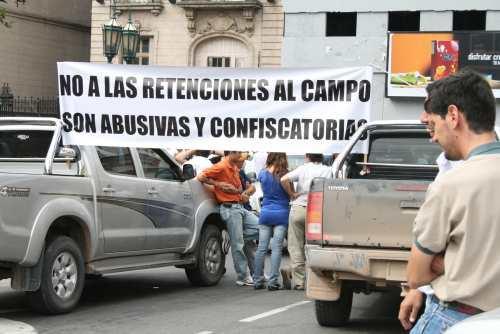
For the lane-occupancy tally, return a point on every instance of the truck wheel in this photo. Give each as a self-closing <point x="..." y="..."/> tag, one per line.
<point x="335" y="313"/>
<point x="62" y="280"/>
<point x="211" y="259"/>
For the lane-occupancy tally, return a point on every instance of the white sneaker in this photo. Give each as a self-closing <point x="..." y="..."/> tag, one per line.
<point x="246" y="282"/>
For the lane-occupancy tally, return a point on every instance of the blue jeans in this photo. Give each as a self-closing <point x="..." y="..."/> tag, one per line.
<point x="242" y="225"/>
<point x="277" y="232"/>
<point x="437" y="317"/>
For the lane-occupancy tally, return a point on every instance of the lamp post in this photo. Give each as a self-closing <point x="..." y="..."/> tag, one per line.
<point x="130" y="41"/>
<point x="113" y="35"/>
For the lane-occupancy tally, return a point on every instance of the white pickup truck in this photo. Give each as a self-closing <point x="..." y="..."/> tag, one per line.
<point x="70" y="211"/>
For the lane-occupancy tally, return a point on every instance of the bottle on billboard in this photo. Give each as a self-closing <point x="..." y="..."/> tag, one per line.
<point x="444" y="59"/>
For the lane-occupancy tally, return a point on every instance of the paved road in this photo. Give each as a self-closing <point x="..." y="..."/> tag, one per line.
<point x="163" y="301"/>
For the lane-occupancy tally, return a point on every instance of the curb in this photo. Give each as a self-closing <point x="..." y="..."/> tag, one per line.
<point x="15" y="327"/>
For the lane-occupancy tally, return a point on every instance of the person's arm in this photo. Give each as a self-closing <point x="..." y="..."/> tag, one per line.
<point x="431" y="233"/>
<point x="409" y="308"/>
<point x="210" y="175"/>
<point x="419" y="271"/>
<point x="247" y="192"/>
<point x="288" y="187"/>
<point x="287" y="182"/>
<point x="184" y="156"/>
<point x="250" y="189"/>
<point x="224" y="186"/>
<point x="437" y="265"/>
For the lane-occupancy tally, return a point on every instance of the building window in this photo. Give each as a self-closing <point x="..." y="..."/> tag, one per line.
<point x="341" y="24"/>
<point x="218" y="61"/>
<point x="469" y="20"/>
<point x="142" y="55"/>
<point x="404" y="21"/>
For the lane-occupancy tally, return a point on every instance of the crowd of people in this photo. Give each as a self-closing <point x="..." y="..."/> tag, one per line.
<point x="282" y="213"/>
<point x="454" y="256"/>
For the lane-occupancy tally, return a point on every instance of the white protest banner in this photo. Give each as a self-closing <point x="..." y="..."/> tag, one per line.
<point x="285" y="110"/>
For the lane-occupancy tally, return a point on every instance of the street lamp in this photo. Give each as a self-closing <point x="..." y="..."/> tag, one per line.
<point x="130" y="41"/>
<point x="111" y="38"/>
<point x="113" y="34"/>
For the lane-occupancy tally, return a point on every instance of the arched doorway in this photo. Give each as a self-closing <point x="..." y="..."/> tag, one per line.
<point x="222" y="51"/>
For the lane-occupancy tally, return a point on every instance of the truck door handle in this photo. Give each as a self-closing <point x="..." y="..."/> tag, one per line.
<point x="153" y="191"/>
<point x="108" y="190"/>
<point x="415" y="205"/>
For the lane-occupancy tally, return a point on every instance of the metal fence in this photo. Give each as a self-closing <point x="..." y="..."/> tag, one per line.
<point x="29" y="106"/>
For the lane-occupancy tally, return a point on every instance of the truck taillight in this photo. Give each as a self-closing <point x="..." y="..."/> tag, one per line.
<point x="314" y="217"/>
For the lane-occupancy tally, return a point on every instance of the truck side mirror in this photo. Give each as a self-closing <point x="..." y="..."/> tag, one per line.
<point x="188" y="172"/>
<point x="67" y="153"/>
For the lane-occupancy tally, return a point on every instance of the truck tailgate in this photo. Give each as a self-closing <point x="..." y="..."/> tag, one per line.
<point x="371" y="213"/>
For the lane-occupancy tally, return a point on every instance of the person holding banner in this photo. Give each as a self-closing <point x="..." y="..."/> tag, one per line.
<point x="242" y="225"/>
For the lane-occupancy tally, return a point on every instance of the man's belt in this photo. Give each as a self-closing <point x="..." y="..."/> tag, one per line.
<point x="229" y="203"/>
<point x="460" y="307"/>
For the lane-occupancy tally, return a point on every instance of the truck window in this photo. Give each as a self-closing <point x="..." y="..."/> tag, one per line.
<point x="25" y="143"/>
<point x="116" y="160"/>
<point x="407" y="151"/>
<point x="397" y="156"/>
<point x="156" y="165"/>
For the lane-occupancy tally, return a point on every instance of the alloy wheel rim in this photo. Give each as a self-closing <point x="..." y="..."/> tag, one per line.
<point x="64" y="275"/>
<point x="213" y="256"/>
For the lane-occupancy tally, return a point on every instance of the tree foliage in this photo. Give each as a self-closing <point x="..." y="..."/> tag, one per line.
<point x="2" y="15"/>
<point x="3" y="21"/>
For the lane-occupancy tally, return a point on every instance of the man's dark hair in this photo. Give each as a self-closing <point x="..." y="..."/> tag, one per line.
<point x="226" y="153"/>
<point x="470" y="93"/>
<point x="202" y="153"/>
<point x="315" y="157"/>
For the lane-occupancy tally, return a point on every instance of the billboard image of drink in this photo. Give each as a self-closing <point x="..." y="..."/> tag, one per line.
<point x="444" y="58"/>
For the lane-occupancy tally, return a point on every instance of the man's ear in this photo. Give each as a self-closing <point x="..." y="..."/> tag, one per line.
<point x="454" y="116"/>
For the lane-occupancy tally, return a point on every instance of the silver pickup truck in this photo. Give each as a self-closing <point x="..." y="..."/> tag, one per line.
<point x="70" y="211"/>
<point x="359" y="224"/>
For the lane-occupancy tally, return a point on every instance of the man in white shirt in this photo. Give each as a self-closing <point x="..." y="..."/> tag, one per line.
<point x="199" y="160"/>
<point x="303" y="175"/>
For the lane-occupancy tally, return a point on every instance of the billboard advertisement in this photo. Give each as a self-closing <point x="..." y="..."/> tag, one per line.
<point x="416" y="59"/>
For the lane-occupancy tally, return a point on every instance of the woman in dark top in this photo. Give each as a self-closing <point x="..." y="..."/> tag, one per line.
<point x="273" y="220"/>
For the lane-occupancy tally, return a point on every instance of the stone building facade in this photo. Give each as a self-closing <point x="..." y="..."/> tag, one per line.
<point x="222" y="33"/>
<point x="41" y="33"/>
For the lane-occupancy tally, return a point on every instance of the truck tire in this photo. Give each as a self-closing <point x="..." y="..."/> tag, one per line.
<point x="335" y="313"/>
<point x="211" y="259"/>
<point x="62" y="280"/>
